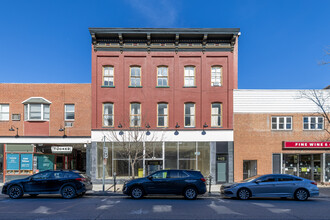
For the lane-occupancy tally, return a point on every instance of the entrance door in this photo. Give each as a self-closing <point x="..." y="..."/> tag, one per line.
<point x="153" y="166"/>
<point x="59" y="163"/>
<point x="249" y="168"/>
<point x="222" y="169"/>
<point x="305" y="166"/>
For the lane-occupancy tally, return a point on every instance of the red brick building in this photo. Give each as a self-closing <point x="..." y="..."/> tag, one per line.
<point x="278" y="131"/>
<point x="175" y="83"/>
<point x="37" y="118"/>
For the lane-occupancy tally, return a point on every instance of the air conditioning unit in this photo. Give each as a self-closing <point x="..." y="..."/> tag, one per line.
<point x="68" y="124"/>
<point x="15" y="117"/>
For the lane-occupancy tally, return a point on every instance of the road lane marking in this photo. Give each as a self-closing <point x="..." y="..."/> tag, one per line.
<point x="162" y="208"/>
<point x="220" y="209"/>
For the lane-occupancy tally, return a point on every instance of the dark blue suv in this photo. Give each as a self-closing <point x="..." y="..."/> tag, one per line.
<point x="67" y="183"/>
<point x="188" y="183"/>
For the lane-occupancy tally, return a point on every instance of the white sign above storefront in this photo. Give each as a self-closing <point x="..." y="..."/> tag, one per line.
<point x="61" y="149"/>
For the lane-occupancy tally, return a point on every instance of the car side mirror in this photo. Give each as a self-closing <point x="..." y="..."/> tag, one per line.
<point x="150" y="177"/>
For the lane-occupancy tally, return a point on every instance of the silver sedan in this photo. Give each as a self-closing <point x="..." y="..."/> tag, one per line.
<point x="272" y="185"/>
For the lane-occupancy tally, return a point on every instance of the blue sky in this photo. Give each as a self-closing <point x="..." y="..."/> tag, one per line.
<point x="281" y="45"/>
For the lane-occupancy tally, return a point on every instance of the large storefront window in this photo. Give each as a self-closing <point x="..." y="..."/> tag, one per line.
<point x="108" y="165"/>
<point x="171" y="155"/>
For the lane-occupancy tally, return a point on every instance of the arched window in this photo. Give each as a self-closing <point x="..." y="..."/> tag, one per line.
<point x="189" y="114"/>
<point x="216" y="114"/>
<point x="162" y="115"/>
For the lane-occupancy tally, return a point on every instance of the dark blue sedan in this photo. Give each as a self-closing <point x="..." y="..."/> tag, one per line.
<point x="188" y="183"/>
<point x="67" y="183"/>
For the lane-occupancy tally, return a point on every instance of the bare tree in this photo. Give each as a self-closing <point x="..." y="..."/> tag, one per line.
<point x="321" y="99"/>
<point x="131" y="141"/>
<point x="326" y="61"/>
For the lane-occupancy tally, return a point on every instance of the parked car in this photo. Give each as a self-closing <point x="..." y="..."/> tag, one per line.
<point x="188" y="183"/>
<point x="272" y="185"/>
<point x="67" y="183"/>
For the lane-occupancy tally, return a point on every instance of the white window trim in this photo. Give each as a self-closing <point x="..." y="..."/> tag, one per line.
<point x="278" y="123"/>
<point x="74" y="112"/>
<point x="309" y="123"/>
<point x="184" y="121"/>
<point x="5" y="112"/>
<point x="42" y="112"/>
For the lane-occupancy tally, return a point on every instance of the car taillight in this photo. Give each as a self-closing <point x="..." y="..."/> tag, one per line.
<point x="314" y="183"/>
<point x="81" y="179"/>
<point x="204" y="180"/>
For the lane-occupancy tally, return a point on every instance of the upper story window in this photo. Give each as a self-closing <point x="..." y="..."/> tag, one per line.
<point x="108" y="115"/>
<point x="135" y="115"/>
<point x="189" y="114"/>
<point x="36" y="109"/>
<point x="69" y="112"/>
<point x="189" y="76"/>
<point x="4" y="112"/>
<point x="135" y="76"/>
<point x="162" y="115"/>
<point x="216" y="76"/>
<point x="162" y="76"/>
<point x="108" y="76"/>
<point x="281" y="123"/>
<point x="216" y="115"/>
<point x="36" y="112"/>
<point x="313" y="123"/>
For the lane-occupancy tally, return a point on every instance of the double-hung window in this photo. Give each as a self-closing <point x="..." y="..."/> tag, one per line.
<point x="162" y="115"/>
<point x="4" y="112"/>
<point x="281" y="123"/>
<point x="189" y="76"/>
<point x="108" y="76"/>
<point x="135" y="115"/>
<point x="162" y="76"/>
<point x="313" y="123"/>
<point x="216" y="73"/>
<point x="36" y="112"/>
<point x="216" y="115"/>
<point x="69" y="112"/>
<point x="108" y="115"/>
<point x="189" y="114"/>
<point x="135" y="76"/>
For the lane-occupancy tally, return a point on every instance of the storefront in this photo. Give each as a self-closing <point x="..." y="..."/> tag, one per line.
<point x="310" y="160"/>
<point x="19" y="160"/>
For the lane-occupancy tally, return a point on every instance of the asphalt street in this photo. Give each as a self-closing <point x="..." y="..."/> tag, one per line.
<point x="165" y="207"/>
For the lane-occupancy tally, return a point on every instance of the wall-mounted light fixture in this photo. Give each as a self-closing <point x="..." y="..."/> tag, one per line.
<point x="204" y="126"/>
<point x="176" y="129"/>
<point x="121" y="131"/>
<point x="62" y="129"/>
<point x="147" y="126"/>
<point x="12" y="128"/>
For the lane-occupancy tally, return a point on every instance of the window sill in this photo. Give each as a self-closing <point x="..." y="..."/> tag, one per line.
<point x="190" y="87"/>
<point x="313" y="129"/>
<point x="107" y="126"/>
<point x="281" y="129"/>
<point x="189" y="127"/>
<point x="107" y="86"/>
<point x="162" y="87"/>
<point x="69" y="120"/>
<point x="216" y="127"/>
<point x="134" y="86"/>
<point x="216" y="86"/>
<point x="36" y="120"/>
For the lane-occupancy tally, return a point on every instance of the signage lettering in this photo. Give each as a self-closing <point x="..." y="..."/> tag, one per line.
<point x="306" y="145"/>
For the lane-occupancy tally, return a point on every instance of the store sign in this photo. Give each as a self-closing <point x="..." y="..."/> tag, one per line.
<point x="26" y="161"/>
<point x="61" y="150"/>
<point x="307" y="145"/>
<point x="12" y="161"/>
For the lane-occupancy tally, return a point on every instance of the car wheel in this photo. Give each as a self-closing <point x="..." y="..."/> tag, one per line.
<point x="301" y="195"/>
<point x="136" y="192"/>
<point x="190" y="193"/>
<point x="34" y="195"/>
<point x="15" y="192"/>
<point x="243" y="194"/>
<point x="68" y="192"/>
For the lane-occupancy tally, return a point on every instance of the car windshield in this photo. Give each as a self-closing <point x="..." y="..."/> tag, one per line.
<point x="250" y="179"/>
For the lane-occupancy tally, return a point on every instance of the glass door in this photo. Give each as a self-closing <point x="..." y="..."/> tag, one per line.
<point x="59" y="163"/>
<point x="221" y="169"/>
<point x="305" y="166"/>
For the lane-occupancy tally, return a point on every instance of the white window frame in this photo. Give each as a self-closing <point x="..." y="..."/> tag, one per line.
<point x="216" y="115"/>
<point x="3" y="112"/>
<point x="113" y="114"/>
<point x="135" y="77"/>
<point x="191" y="115"/>
<point x="188" y="75"/>
<point x="111" y="78"/>
<point x="165" y="116"/>
<point x="65" y="111"/>
<point x="316" y="124"/>
<point x="42" y="118"/>
<point x="278" y="123"/>
<point x="217" y="79"/>
<point x="159" y="76"/>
